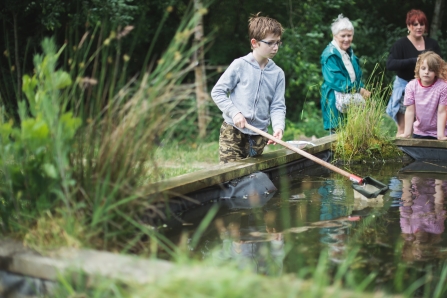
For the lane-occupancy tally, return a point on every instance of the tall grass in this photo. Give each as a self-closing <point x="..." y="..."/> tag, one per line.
<point x="365" y="131"/>
<point x="90" y="166"/>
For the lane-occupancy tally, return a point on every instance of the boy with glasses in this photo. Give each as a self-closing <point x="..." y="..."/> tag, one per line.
<point x="251" y="90"/>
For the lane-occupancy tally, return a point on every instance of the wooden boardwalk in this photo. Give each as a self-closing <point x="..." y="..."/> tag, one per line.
<point x="191" y="182"/>
<point x="423" y="149"/>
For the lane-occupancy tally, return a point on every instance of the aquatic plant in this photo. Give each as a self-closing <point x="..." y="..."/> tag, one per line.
<point x="364" y="133"/>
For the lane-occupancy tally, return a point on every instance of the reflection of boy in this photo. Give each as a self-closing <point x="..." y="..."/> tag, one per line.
<point x="251" y="91"/>
<point x="262" y="255"/>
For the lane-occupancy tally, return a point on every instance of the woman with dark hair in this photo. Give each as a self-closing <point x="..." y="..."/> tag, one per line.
<point x="402" y="60"/>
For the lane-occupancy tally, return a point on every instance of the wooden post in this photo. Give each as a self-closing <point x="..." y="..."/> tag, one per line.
<point x="200" y="75"/>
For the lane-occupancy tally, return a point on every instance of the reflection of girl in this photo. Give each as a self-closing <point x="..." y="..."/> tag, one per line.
<point x="422" y="217"/>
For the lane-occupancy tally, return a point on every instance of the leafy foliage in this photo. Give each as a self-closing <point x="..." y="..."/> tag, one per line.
<point x="35" y="155"/>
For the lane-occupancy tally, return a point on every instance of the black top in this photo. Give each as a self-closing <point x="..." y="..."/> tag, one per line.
<point x="403" y="56"/>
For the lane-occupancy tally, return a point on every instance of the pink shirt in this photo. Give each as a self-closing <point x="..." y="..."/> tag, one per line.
<point x="426" y="101"/>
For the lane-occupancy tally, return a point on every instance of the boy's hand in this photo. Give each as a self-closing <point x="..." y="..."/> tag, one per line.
<point x="239" y="120"/>
<point x="278" y="135"/>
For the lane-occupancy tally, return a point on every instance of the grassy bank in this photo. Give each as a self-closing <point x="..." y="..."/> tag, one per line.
<point x="189" y="278"/>
<point x="209" y="281"/>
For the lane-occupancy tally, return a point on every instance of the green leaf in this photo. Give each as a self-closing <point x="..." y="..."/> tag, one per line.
<point x="69" y="124"/>
<point x="29" y="86"/>
<point x="35" y="129"/>
<point x="62" y="80"/>
<point x="50" y="170"/>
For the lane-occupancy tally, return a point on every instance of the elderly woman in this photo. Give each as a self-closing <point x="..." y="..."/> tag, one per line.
<point x="341" y="72"/>
<point x="402" y="60"/>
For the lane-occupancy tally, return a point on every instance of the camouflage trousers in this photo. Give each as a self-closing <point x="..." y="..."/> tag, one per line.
<point x="235" y="145"/>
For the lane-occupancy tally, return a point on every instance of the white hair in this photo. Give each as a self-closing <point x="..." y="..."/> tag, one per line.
<point x="341" y="23"/>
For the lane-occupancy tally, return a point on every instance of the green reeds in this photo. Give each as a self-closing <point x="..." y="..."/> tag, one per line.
<point x="87" y="144"/>
<point x="362" y="135"/>
<point x="119" y="145"/>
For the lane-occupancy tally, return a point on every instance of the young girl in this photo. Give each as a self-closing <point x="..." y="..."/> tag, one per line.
<point x="426" y="99"/>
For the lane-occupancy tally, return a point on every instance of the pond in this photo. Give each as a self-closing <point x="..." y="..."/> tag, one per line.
<point x="316" y="217"/>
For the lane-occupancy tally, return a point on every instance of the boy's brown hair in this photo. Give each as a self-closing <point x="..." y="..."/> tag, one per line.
<point x="259" y="27"/>
<point x="434" y="63"/>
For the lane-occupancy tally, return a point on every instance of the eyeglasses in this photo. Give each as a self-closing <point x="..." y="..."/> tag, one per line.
<point x="272" y="43"/>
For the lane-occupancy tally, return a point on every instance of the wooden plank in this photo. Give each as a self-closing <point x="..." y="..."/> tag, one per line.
<point x="420" y="143"/>
<point x="188" y="183"/>
<point x="423" y="149"/>
<point x="16" y="258"/>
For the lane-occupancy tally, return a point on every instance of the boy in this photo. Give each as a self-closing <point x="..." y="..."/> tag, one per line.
<point x="251" y="90"/>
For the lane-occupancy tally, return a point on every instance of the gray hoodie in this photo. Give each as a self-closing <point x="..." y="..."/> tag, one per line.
<point x="257" y="94"/>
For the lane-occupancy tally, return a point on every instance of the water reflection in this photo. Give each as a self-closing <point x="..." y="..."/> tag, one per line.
<point x="253" y="247"/>
<point x="332" y="207"/>
<point x="322" y="213"/>
<point x="341" y="206"/>
<point x="422" y="217"/>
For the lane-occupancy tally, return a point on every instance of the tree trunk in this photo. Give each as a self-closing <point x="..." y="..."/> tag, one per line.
<point x="200" y="75"/>
<point x="17" y="61"/>
<point x="437" y="18"/>
<point x="290" y="14"/>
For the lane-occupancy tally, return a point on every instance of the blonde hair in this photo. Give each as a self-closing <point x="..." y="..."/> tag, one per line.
<point x="444" y="72"/>
<point x="434" y="63"/>
<point x="259" y="27"/>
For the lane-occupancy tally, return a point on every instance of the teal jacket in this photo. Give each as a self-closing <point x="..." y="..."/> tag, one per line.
<point x="336" y="77"/>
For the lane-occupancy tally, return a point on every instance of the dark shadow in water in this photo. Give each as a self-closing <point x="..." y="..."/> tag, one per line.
<point x="426" y="167"/>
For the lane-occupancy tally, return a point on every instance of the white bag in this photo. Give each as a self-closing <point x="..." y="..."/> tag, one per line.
<point x="343" y="100"/>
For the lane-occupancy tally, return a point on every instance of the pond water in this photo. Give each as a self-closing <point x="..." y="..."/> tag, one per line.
<point x="316" y="216"/>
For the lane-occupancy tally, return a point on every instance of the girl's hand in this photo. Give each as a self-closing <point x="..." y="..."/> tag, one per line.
<point x="443" y="138"/>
